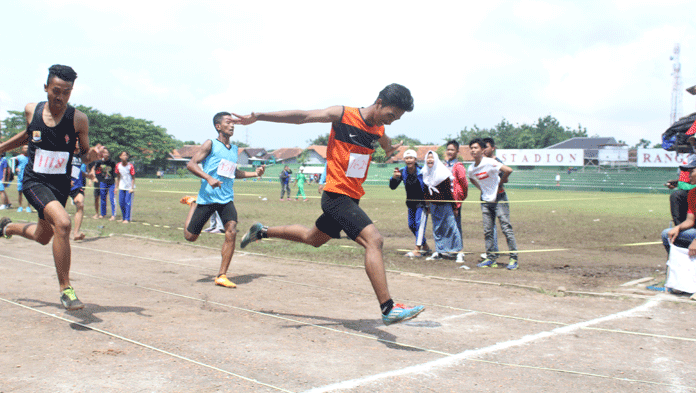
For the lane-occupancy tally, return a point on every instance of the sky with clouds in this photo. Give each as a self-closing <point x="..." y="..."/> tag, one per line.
<point x="604" y="65"/>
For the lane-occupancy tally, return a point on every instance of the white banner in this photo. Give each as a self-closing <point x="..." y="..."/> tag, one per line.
<point x="659" y="158"/>
<point x="541" y="157"/>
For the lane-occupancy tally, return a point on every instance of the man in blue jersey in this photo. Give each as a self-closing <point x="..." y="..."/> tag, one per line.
<point x="216" y="164"/>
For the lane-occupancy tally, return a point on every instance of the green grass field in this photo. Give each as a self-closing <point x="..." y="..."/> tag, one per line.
<point x="542" y="219"/>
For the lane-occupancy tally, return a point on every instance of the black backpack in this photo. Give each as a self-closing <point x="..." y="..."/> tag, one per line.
<point x="675" y="138"/>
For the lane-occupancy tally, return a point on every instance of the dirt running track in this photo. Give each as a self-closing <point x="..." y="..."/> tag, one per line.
<point x="154" y="322"/>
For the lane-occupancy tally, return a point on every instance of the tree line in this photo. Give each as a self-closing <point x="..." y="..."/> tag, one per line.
<point x="545" y="132"/>
<point x="147" y="143"/>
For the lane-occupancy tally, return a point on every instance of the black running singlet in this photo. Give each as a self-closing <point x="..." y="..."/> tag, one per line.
<point x="50" y="148"/>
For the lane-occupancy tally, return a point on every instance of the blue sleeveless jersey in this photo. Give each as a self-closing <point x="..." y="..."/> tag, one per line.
<point x="224" y="194"/>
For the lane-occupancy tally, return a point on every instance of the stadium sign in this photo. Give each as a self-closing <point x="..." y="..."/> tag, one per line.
<point x="659" y="158"/>
<point x="541" y="157"/>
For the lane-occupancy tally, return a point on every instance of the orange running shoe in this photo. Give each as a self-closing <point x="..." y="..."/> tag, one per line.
<point x="222" y="281"/>
<point x="188" y="200"/>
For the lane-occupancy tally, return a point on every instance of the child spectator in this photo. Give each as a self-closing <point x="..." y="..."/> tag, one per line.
<point x="20" y="163"/>
<point x="300" y="185"/>
<point x="125" y="177"/>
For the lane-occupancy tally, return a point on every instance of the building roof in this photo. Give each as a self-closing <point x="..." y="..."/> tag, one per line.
<point x="256" y="152"/>
<point x="285" y="153"/>
<point x="583" y="143"/>
<point x="185" y="153"/>
<point x="319" y="149"/>
<point x="421" y="151"/>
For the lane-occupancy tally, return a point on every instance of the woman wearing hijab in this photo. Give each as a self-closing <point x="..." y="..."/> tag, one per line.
<point x="438" y="191"/>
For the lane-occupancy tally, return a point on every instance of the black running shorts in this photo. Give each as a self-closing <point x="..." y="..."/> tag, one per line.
<point x="202" y="214"/>
<point x="39" y="195"/>
<point x="76" y="192"/>
<point x="341" y="212"/>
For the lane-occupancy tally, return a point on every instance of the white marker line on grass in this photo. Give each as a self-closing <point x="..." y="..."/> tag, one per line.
<point x="451" y="361"/>
<point x="150" y="347"/>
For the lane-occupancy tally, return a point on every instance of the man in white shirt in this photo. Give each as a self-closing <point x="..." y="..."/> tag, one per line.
<point x="487" y="174"/>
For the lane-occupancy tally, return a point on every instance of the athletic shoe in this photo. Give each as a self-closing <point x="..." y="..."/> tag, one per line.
<point x="19" y="209"/>
<point x="222" y="281"/>
<point x="70" y="300"/>
<point x="188" y="200"/>
<point x="28" y="209"/>
<point x="252" y="235"/>
<point x="487" y="263"/>
<point x="209" y="229"/>
<point x="412" y="254"/>
<point x="436" y="256"/>
<point x="512" y="265"/>
<point x="460" y="257"/>
<point x="3" y="207"/>
<point x="3" y="223"/>
<point x="484" y="256"/>
<point x="400" y="313"/>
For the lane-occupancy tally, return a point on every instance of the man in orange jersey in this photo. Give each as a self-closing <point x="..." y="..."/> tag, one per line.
<point x="348" y="155"/>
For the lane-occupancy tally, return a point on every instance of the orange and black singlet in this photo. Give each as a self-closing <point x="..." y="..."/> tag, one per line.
<point x="349" y="153"/>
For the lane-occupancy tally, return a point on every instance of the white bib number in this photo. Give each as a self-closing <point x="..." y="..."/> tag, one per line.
<point x="357" y="165"/>
<point x="51" y="162"/>
<point x="75" y="172"/>
<point x="226" y="168"/>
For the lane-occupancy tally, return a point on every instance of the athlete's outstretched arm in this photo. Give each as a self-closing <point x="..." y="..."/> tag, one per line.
<point x="328" y="115"/>
<point x="385" y="142"/>
<point x="21" y="138"/>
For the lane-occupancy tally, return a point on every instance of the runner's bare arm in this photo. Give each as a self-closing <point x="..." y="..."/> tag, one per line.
<point x="197" y="158"/>
<point x="243" y="175"/>
<point x="82" y="129"/>
<point x="20" y="138"/>
<point x="328" y="115"/>
<point x="385" y="142"/>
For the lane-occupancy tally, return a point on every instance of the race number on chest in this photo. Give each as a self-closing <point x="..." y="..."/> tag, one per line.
<point x="50" y="162"/>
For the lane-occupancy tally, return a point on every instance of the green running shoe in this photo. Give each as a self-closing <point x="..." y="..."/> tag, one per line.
<point x="70" y="300"/>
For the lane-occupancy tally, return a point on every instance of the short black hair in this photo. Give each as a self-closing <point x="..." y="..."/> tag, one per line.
<point x="62" y="72"/>
<point x="397" y="96"/>
<point x="453" y="142"/>
<point x="123" y="151"/>
<point x="478" y="141"/>
<point x="489" y="141"/>
<point x="217" y="119"/>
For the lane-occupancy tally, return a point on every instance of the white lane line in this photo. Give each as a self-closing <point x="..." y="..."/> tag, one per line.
<point x="453" y="360"/>
<point x="150" y="347"/>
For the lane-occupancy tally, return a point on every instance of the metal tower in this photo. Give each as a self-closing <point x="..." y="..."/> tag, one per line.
<point x="677" y="86"/>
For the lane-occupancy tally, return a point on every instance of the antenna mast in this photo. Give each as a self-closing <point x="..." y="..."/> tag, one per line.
<point x="677" y="85"/>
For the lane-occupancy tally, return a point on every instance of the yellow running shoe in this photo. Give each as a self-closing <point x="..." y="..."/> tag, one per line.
<point x="222" y="281"/>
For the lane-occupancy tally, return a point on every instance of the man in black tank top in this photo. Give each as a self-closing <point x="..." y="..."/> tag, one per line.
<point x="53" y="127"/>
